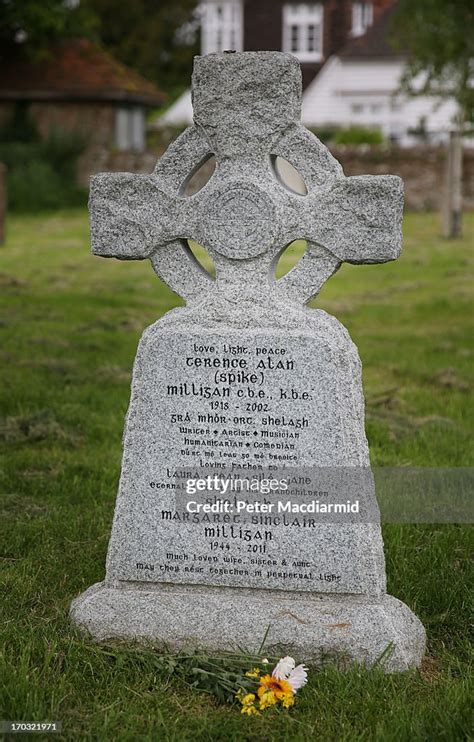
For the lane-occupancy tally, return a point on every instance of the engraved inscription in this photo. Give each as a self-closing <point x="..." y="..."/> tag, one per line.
<point x="219" y="404"/>
<point x="241" y="222"/>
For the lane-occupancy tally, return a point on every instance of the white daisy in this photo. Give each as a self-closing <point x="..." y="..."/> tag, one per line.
<point x="286" y="670"/>
<point x="298" y="677"/>
<point x="283" y="668"/>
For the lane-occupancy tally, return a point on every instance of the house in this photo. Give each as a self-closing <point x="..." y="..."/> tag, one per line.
<point x="360" y="85"/>
<point x="80" y="87"/>
<point x="350" y="71"/>
<point x="312" y="31"/>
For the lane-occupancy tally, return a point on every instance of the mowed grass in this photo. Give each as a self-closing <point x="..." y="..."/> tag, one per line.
<point x="69" y="327"/>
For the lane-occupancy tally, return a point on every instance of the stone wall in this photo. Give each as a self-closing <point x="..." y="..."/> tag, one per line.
<point x="421" y="168"/>
<point x="103" y="160"/>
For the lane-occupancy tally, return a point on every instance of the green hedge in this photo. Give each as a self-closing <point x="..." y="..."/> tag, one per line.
<point x="355" y="135"/>
<point x="41" y="173"/>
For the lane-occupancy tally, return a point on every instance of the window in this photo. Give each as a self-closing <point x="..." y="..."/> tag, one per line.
<point x="222" y="26"/>
<point x="137" y="129"/>
<point x="303" y="31"/>
<point x="376" y="108"/>
<point x="362" y="18"/>
<point x="295" y="39"/>
<point x="130" y="129"/>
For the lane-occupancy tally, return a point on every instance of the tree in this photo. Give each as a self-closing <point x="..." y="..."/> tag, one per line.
<point x="437" y="34"/>
<point x="36" y="24"/>
<point x="438" y="37"/>
<point x="158" y="38"/>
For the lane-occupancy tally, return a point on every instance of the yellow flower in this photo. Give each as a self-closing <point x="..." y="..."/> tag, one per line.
<point x="244" y="697"/>
<point x="267" y="699"/>
<point x="287" y="700"/>
<point x="272" y="690"/>
<point x="255" y="673"/>
<point x="247" y="701"/>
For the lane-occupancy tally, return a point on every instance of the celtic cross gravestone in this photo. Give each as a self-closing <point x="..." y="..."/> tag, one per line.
<point x="246" y="378"/>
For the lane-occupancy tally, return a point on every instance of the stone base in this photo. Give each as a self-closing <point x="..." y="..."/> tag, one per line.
<point x="346" y="629"/>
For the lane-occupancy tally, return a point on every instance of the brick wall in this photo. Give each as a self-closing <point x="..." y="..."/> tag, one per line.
<point x="263" y="28"/>
<point x="96" y="121"/>
<point x="263" y="31"/>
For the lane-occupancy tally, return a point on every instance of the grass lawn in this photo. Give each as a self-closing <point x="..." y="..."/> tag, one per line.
<point x="69" y="327"/>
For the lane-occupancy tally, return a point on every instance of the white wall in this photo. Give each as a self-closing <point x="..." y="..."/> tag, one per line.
<point x="349" y="92"/>
<point x="179" y="114"/>
<point x="365" y="93"/>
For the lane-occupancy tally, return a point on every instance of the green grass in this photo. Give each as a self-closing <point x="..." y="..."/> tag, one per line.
<point x="69" y="327"/>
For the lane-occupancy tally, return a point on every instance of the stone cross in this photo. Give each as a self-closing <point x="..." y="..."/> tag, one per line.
<point x="247" y="111"/>
<point x="246" y="383"/>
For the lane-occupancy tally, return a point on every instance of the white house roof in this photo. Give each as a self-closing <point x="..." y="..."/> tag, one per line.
<point x="179" y="114"/>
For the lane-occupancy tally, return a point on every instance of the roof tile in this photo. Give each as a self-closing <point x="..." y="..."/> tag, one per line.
<point x="75" y="69"/>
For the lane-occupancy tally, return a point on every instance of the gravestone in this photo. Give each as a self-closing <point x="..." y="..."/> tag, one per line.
<point x="245" y="377"/>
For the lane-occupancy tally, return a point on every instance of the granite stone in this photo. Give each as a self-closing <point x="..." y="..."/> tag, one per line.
<point x="247" y="378"/>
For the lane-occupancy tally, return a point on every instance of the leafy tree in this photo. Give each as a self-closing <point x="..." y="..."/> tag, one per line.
<point x="35" y="24"/>
<point x="159" y="38"/>
<point x="438" y="36"/>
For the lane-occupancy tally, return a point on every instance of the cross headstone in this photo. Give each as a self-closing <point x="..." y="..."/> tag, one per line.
<point x="247" y="378"/>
